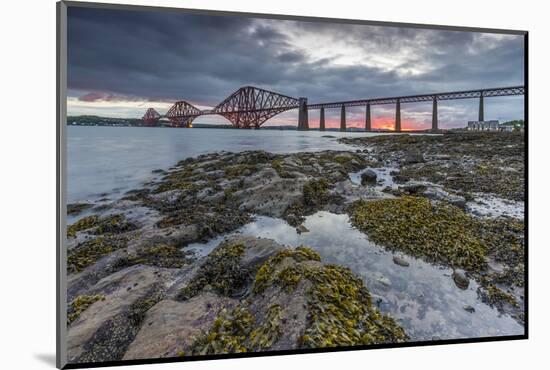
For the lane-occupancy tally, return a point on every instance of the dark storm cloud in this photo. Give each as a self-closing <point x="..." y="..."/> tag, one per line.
<point x="166" y="56"/>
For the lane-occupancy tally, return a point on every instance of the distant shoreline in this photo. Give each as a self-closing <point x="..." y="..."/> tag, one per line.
<point x="230" y="127"/>
<point x="277" y="128"/>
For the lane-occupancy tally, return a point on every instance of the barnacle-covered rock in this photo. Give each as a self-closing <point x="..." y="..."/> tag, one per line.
<point x="103" y="330"/>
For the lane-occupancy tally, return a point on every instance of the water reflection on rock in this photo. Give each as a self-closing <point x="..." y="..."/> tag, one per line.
<point x="423" y="297"/>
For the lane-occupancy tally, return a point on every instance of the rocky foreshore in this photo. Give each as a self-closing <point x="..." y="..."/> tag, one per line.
<point x="442" y="182"/>
<point x="135" y="289"/>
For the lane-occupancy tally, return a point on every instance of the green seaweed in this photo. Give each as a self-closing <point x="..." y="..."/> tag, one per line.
<point x="437" y="232"/>
<point x="341" y="314"/>
<point x="239" y="170"/>
<point x="496" y="297"/>
<point x="221" y="270"/>
<point x="227" y="335"/>
<point x="339" y="310"/>
<point x="160" y="255"/>
<point x="80" y="304"/>
<point x="316" y="193"/>
<point x="266" y="273"/>
<point x="90" y="251"/>
<point x="84" y="223"/>
<point x="113" y="224"/>
<point x="77" y="208"/>
<point x="236" y="331"/>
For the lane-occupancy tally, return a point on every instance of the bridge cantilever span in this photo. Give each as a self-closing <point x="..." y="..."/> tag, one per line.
<point x="182" y="114"/>
<point x="250" y="107"/>
<point x="151" y="117"/>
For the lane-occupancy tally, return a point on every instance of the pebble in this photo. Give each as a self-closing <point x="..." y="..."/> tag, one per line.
<point x="302" y="229"/>
<point x="384" y="281"/>
<point x="469" y="309"/>
<point x="400" y="261"/>
<point x="460" y="279"/>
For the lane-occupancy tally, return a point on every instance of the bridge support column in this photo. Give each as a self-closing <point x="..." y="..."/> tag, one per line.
<point x="434" y="115"/>
<point x="481" y="108"/>
<point x="398" y="116"/>
<point x="303" y="121"/>
<point x="367" y="119"/>
<point x="322" y="119"/>
<point x="343" y="119"/>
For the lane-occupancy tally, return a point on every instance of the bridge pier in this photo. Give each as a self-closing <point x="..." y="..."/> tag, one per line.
<point x="303" y="121"/>
<point x="367" y="118"/>
<point x="434" y="115"/>
<point x="343" y="119"/>
<point x="481" y="116"/>
<point x="322" y="119"/>
<point x="398" y="116"/>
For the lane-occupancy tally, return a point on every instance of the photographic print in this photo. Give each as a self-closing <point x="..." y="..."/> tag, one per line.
<point x="241" y="184"/>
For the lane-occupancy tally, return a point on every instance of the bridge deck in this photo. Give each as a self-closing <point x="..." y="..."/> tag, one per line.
<point x="468" y="94"/>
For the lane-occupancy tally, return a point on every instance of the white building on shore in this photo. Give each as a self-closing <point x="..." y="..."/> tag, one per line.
<point x="492" y="125"/>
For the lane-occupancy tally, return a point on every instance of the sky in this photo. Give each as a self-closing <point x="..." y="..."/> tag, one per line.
<point x="122" y="62"/>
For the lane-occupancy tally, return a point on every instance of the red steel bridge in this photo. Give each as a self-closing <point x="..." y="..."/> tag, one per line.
<point x="250" y="107"/>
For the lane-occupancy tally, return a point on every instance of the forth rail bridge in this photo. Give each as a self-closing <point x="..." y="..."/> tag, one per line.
<point x="250" y="107"/>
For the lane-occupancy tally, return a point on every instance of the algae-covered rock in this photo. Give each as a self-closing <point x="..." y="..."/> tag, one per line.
<point x="77" y="208"/>
<point x="230" y="267"/>
<point x="442" y="233"/>
<point x="113" y="224"/>
<point x="90" y="251"/>
<point x="159" y="254"/>
<point x="249" y="294"/>
<point x="80" y="304"/>
<point x="437" y="232"/>
<point x="330" y="307"/>
<point x="465" y="161"/>
<point x="236" y="331"/>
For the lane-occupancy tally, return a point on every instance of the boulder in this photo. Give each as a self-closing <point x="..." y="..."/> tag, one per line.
<point x="436" y="193"/>
<point x="400" y="179"/>
<point x="413" y="157"/>
<point x="413" y="188"/>
<point x="368" y="177"/>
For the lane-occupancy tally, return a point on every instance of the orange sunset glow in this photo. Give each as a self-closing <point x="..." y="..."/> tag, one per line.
<point x="382" y="123"/>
